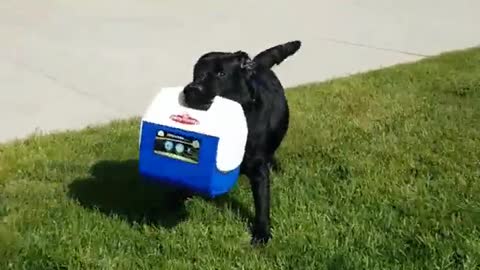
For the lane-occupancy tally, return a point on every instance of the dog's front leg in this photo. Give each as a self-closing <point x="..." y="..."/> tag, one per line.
<point x="260" y="183"/>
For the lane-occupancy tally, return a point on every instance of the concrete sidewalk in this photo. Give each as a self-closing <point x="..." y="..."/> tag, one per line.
<point x="68" y="64"/>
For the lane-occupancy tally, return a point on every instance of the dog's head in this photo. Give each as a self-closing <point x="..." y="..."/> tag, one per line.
<point x="228" y="74"/>
<point x="219" y="74"/>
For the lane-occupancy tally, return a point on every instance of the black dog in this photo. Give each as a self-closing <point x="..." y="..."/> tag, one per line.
<point x="253" y="84"/>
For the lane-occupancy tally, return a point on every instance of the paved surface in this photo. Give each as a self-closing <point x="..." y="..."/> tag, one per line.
<point x="68" y="64"/>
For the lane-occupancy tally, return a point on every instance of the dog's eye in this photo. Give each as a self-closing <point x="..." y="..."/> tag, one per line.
<point x="220" y="74"/>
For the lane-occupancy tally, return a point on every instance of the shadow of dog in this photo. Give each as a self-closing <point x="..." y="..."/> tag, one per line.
<point x="115" y="188"/>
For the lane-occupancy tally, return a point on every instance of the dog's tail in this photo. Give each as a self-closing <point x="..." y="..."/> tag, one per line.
<point x="276" y="55"/>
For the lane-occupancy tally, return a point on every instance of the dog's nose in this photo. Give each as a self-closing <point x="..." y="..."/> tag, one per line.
<point x="192" y="89"/>
<point x="192" y="92"/>
<point x="195" y="96"/>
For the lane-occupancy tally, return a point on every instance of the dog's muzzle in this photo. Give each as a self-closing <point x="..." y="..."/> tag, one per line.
<point x="196" y="97"/>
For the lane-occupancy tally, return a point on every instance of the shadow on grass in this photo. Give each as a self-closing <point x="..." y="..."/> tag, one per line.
<point x="115" y="188"/>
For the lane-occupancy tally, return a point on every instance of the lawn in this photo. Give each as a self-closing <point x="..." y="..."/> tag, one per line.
<point x="381" y="170"/>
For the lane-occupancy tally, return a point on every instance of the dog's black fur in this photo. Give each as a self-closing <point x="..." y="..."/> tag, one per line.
<point x="253" y="84"/>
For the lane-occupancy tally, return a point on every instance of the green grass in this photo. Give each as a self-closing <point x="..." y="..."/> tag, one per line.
<point x="380" y="171"/>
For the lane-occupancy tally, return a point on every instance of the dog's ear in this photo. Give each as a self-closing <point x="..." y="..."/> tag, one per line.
<point x="247" y="67"/>
<point x="246" y="63"/>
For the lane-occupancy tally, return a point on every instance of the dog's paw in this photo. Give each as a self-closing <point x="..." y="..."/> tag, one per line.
<point x="260" y="237"/>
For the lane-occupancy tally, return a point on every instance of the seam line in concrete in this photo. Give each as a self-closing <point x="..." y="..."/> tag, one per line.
<point x="374" y="47"/>
<point x="65" y="85"/>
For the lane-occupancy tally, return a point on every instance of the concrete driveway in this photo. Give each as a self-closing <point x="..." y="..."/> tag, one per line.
<point x="68" y="64"/>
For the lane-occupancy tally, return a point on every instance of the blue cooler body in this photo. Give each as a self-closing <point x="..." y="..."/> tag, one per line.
<point x="198" y="150"/>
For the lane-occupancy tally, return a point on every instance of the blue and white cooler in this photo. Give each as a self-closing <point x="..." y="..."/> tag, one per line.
<point x="194" y="149"/>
